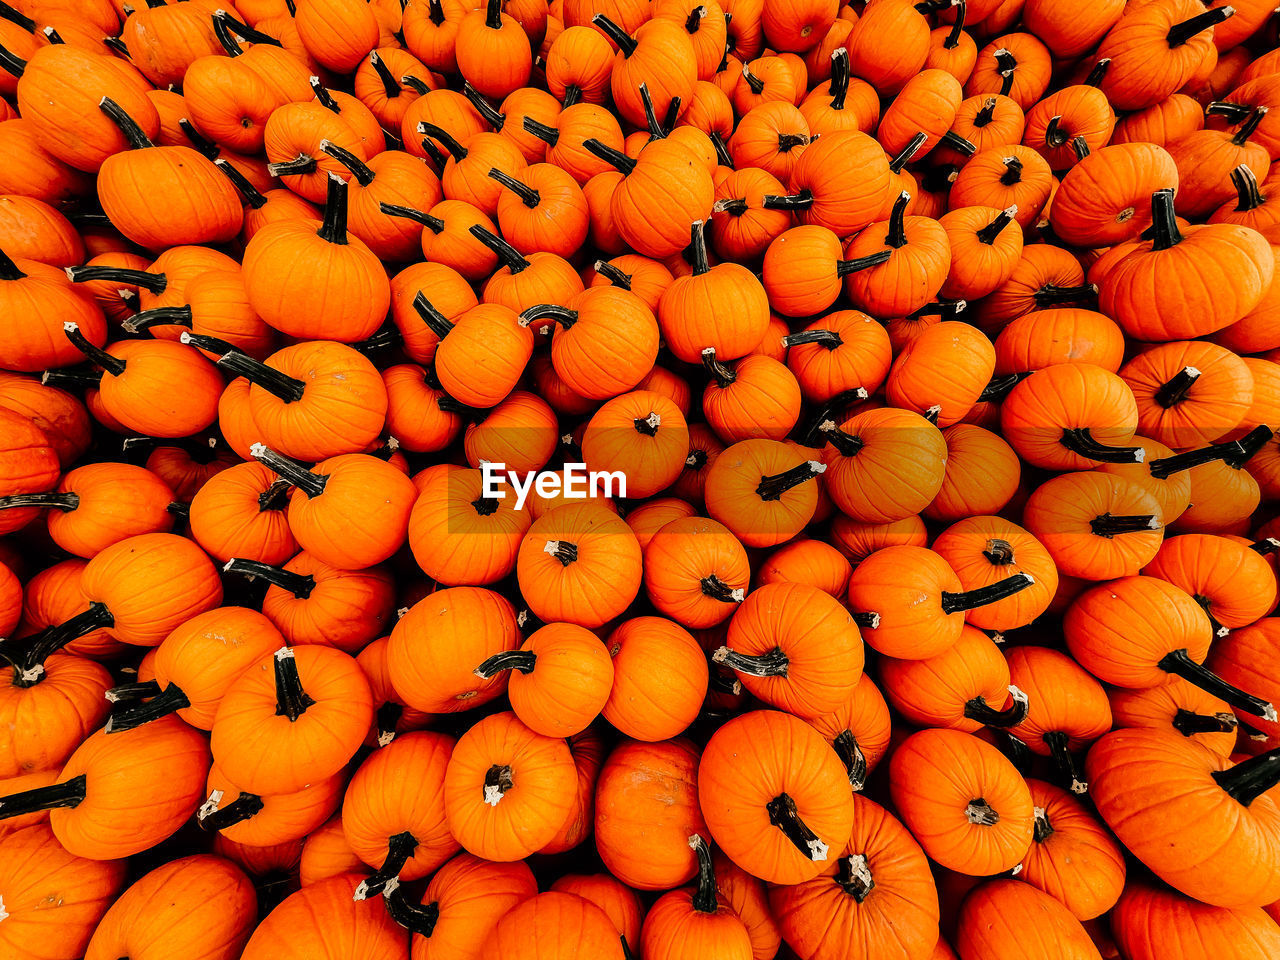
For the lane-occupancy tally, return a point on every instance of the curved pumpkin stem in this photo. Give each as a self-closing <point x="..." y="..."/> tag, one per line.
<point x="400" y="849"/>
<point x="27" y="655"/>
<point x="991" y="231"/>
<point x="784" y="815"/>
<point x="530" y="197"/>
<point x="615" y="158"/>
<point x="845" y="267"/>
<point x="298" y="166"/>
<point x="436" y="321"/>
<point x="1246" y="183"/>
<point x="434" y="224"/>
<point x="853" y="875"/>
<point x="334" y="228"/>
<point x="1057" y="742"/>
<point x="773" y="487"/>
<point x="1054" y="135"/>
<point x="1234" y="453"/>
<point x="704" y="894"/>
<point x="772" y="664"/>
<point x="987" y="114"/>
<point x="1080" y="441"/>
<point x="1250" y="779"/>
<point x="415" y="84"/>
<point x="1050" y="295"/>
<point x="999" y="387"/>
<point x="510" y="257"/>
<point x="1164" y="221"/>
<point x="846" y="444"/>
<point x="721" y="148"/>
<point x="522" y="660"/>
<point x="656" y="132"/>
<point x="1180" y="33"/>
<point x="129" y="692"/>
<point x="1174" y="390"/>
<point x="275" y="382"/>
<point x="414" y="917"/>
<point x="547" y="134"/>
<point x="324" y="96"/>
<point x="244" y="30"/>
<point x="497" y="781"/>
<point x="168" y="701"/>
<point x="312" y="484"/>
<point x="799" y="201"/>
<point x="1110" y="525"/>
<point x="980" y="813"/>
<point x="1250" y="126"/>
<point x="867" y="620"/>
<point x="298" y="584"/>
<point x="626" y="43"/>
<point x="829" y="339"/>
<point x="132" y="132"/>
<point x="389" y="85"/>
<point x="838" y="89"/>
<point x="715" y="588"/>
<point x="1012" y="171"/>
<point x="252" y="196"/>
<point x="723" y="375"/>
<point x="159" y="317"/>
<point x="1179" y="663"/>
<point x="543" y="311"/>
<point x="1007" y="65"/>
<point x="908" y="153"/>
<point x="991" y="593"/>
<point x="979" y="711"/>
<point x="359" y="169"/>
<point x="613" y="273"/>
<point x="563" y="550"/>
<point x="291" y="700"/>
<point x="484" y="107"/>
<point x="11" y="63"/>
<point x="65" y="502"/>
<point x="754" y="82"/>
<point x="69" y="793"/>
<point x="244" y="807"/>
<point x="897" y="235"/>
<point x="855" y="761"/>
<point x="112" y="365"/>
<point x="1189" y="723"/>
<point x="958" y="143"/>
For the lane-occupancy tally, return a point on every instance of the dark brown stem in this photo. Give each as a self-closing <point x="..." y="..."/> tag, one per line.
<point x="1179" y="663"/>
<point x="1068" y="770"/>
<point x="1234" y="453"/>
<point x="1080" y="441"/>
<point x="846" y="267"/>
<point x="300" y="585"/>
<point x="159" y="317"/>
<point x="853" y="875"/>
<point x="1250" y="126"/>
<point x="846" y="444"/>
<point x="359" y="169"/>
<point x="434" y="224"/>
<point x="8" y="269"/>
<point x="522" y="660"/>
<point x="69" y="793"/>
<point x="312" y="484"/>
<point x="247" y="190"/>
<point x="324" y="96"/>
<point x="1246" y="184"/>
<point x="212" y="818"/>
<point x="991" y="231"/>
<point x="1175" y="389"/>
<point x="484" y="107"/>
<point x="275" y="382"/>
<point x="1108" y="525"/>
<point x="291" y="700"/>
<point x="980" y="813"/>
<point x="436" y="321"/>
<point x="298" y="166"/>
<point x="334" y="228"/>
<point x="1164" y="221"/>
<point x="389" y="85"/>
<point x="11" y="63"/>
<point x="613" y="274"/>
<point x="544" y="132"/>
<point x="615" y="158"/>
<point x="65" y="502"/>
<point x="754" y="82"/>
<point x="563" y="550"/>
<point x="508" y="256"/>
<point x="1098" y="73"/>
<point x="838" y="89"/>
<point x="829" y="339"/>
<point x="527" y="194"/>
<point x="982" y="712"/>
<point x="626" y="43"/>
<point x="448" y="140"/>
<point x="772" y="664"/>
<point x="400" y="848"/>
<point x="1000" y="387"/>
<point x="1189" y="724"/>
<point x="715" y="588"/>
<point x="415" y="84"/>
<point x="987" y="114"/>
<point x="1050" y="295"/>
<point x="958" y="143"/>
<point x="419" y="918"/>
<point x="799" y="201"/>
<point x="543" y="311"/>
<point x="991" y="593"/>
<point x="1250" y="779"/>
<point x="30" y="652"/>
<point x="908" y="153"/>
<point x="1180" y="33"/>
<point x="854" y="760"/>
<point x="1007" y="65"/>
<point x="112" y="365"/>
<point x="497" y="781"/>
<point x="132" y="132"/>
<point x="773" y="487"/>
<point x="897" y="235"/>
<point x="1012" y="171"/>
<point x="784" y="815"/>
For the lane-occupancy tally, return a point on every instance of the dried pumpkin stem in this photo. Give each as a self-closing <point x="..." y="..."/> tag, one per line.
<point x="908" y="153"/>
<point x="300" y="165"/>
<point x="151" y="282"/>
<point x="1000" y="387"/>
<point x="275" y="382"/>
<point x="958" y="143"/>
<point x="772" y="487"/>
<point x="447" y="140"/>
<point x="415" y="84"/>
<point x="530" y="197"/>
<point x="71" y="378"/>
<point x="132" y="132"/>
<point x="704" y="894"/>
<point x="721" y="148"/>
<point x="979" y="711"/>
<point x="1164" y="221"/>
<point x="953" y="38"/>
<point x="1250" y="779"/>
<point x="648" y="425"/>
<point x="300" y="585"/>
<point x="224" y="35"/>
<point x="723" y="683"/>
<point x="853" y="874"/>
<point x="998" y="552"/>
<point x="389" y="85"/>
<point x="563" y="550"/>
<point x="1174" y="390"/>
<point x="799" y="201"/>
<point x="1246" y="183"/>
<point x="866" y="619"/>
<point x="897" y="235"/>
<point x="613" y="273"/>
<point x="312" y="484"/>
<point x="128" y="692"/>
<point x="400" y="849"/>
<point x="1234" y="453"/>
<point x="982" y="596"/>
<point x="1265" y="546"/>
<point x="855" y="761"/>
<point x="830" y="339"/>
<point x="324" y="96"/>
<point x="497" y="781"/>
<point x="211" y="817"/>
<point x="1068" y="770"/>
<point x="1188" y="723"/>
<point x="1012" y="171"/>
<point x="626" y="43"/>
<point x="1250" y="126"/>
<point x="359" y="169"/>
<point x="385" y="719"/>
<point x="1179" y="663"/>
<point x="334" y="228"/>
<point x="1232" y="112"/>
<point x="697" y="252"/>
<point x="572" y="95"/>
<point x="1182" y="32"/>
<point x="1108" y="525"/>
<point x="723" y="374"/>
<point x="199" y="141"/>
<point x="656" y="132"/>
<point x="17" y="17"/>
<point x="522" y="660"/>
<point x="754" y="82"/>
<point x="69" y="793"/>
<point x="510" y="257"/>
<point x="986" y="114"/>
<point x="419" y="918"/>
<point x="846" y="267"/>
<point x="1041" y="829"/>
<point x="544" y="132"/>
<point x="1007" y="66"/>
<point x="784" y="815"/>
<point x="252" y="196"/>
<point x="111" y="364"/>
<point x="244" y="30"/>
<point x="1080" y="441"/>
<point x="1080" y="147"/>
<point x="167" y="701"/>
<point x="1098" y="73"/>
<point x="160" y="316"/>
<point x="291" y="700"/>
<point x="543" y="311"/>
<point x="846" y="444"/>
<point x="29" y="653"/>
<point x="434" y="224"/>
<point x="694" y="20"/>
<point x="484" y="107"/>
<point x="1049" y="294"/>
<point x="715" y="588"/>
<point x="772" y="664"/>
<point x="991" y="231"/>
<point x="57" y="501"/>
<point x="980" y="813"/>
<point x="436" y="321"/>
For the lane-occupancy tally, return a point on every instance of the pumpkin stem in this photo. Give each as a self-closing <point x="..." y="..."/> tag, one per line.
<point x="199" y="141"/>
<point x="112" y="365"/>
<point x="1069" y="771"/>
<point x="694" y="20"/>
<point x="1054" y="135"/>
<point x="526" y="193"/>
<point x="846" y="267"/>
<point x="1050" y="295"/>
<point x="436" y="321"/>
<point x="999" y="387"/>
<point x="1007" y="66"/>
<point x="909" y="151"/>
<point x="415" y="84"/>
<point x="613" y="273"/>
<point x="291" y="700"/>
<point x="799" y="201"/>
<point x="1080" y="147"/>
<point x="72" y="378"/>
<point x="8" y="269"/>
<point x="953" y="38"/>
<point x="243" y="808"/>
<point x="324" y="96"/>
<point x="238" y="180"/>
<point x="17" y="18"/>
<point x="563" y="550"/>
<point x="854" y="760"/>
<point x="510" y="257"/>
<point x="650" y="117"/>
<point x="773" y="487"/>
<point x="275" y="382"/>
<point x="1266" y="546"/>
<point x="65" y="502"/>
<point x="784" y="815"/>
<point x="615" y="158"/>
<point x="572" y="95"/>
<point x="987" y="114"/>
<point x="300" y="585"/>
<point x="829" y="339"/>
<point x="544" y="132"/>
<point x="1233" y="112"/>
<point x="897" y="235"/>
<point x="159" y="317"/>
<point x="1250" y="126"/>
<point x="724" y="684"/>
<point x="1189" y="723"/>
<point x="1180" y="33"/>
<point x="542" y="311"/>
<point x="414" y="917"/>
<point x="389" y="85"/>
<point x="648" y="425"/>
<point x="626" y="43"/>
<point x="69" y="793"/>
<point x="434" y="224"/>
<point x="447" y="140"/>
<point x="1042" y="829"/>
<point x="846" y="444"/>
<point x="1080" y="441"/>
<point x="132" y="132"/>
<point x="359" y="169"/>
<point x="128" y="692"/>
<point x="274" y="497"/>
<point x="28" y="661"/>
<point x="992" y="230"/>
<point x="771" y="664"/>
<point x="298" y="166"/>
<point x="1164" y="222"/>
<point x="754" y="82"/>
<point x="853" y="875"/>
<point x="838" y="89"/>
<point x="1246" y="781"/>
<point x="1246" y="183"/>
<point x="385" y="720"/>
<point x="991" y="593"/>
<point x="1234" y="453"/>
<point x="334" y="228"/>
<point x="724" y="375"/>
<point x="1174" y="390"/>
<point x="1012" y="171"/>
<point x="721" y="148"/>
<point x="400" y="848"/>
<point x="222" y="32"/>
<point x="715" y="588"/>
<point x="1179" y="663"/>
<point x="1109" y="525"/>
<point x="867" y="620"/>
<point x="497" y="781"/>
<point x="243" y="29"/>
<point x="312" y="484"/>
<point x="980" y="813"/>
<point x="998" y="552"/>
<point x="958" y="143"/>
<point x="522" y="660"/>
<point x="704" y="895"/>
<point x="486" y="110"/>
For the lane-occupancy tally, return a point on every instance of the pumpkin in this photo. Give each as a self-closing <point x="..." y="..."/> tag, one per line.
<point x="659" y="679"/>
<point x="1244" y="657"/>
<point x="294" y="929"/>
<point x="247" y="818"/>
<point x="1145" y="914"/>
<point x="1154" y="49"/>
<point x="998" y="907"/>
<point x="696" y="572"/>
<point x="758" y="489"/>
<point x="618" y="901"/>
<point x="241" y="512"/>
<point x="1191" y="712"/>
<point x="1231" y="581"/>
<point x="693" y="923"/>
<point x="564" y="926"/>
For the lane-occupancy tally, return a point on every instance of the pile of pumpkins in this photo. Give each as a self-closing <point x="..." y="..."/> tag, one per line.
<point x="917" y="364"/>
